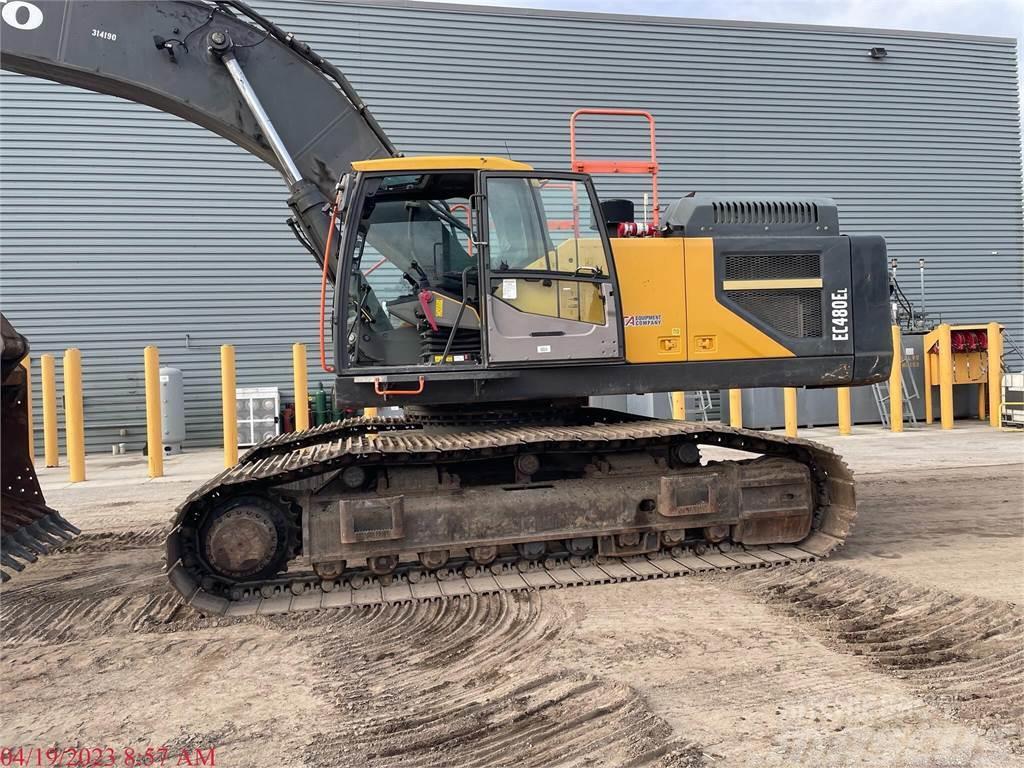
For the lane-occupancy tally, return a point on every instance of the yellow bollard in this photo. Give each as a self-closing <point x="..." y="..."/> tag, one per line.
<point x="300" y="377"/>
<point x="154" y="424"/>
<point x="735" y="407"/>
<point x="843" y="406"/>
<point x="228" y="405"/>
<point x="929" y="415"/>
<point x="982" y="402"/>
<point x="995" y="375"/>
<point x="679" y="406"/>
<point x="946" y="376"/>
<point x="789" y="407"/>
<point x="896" y="383"/>
<point x="26" y="363"/>
<point x="74" y="414"/>
<point x="51" y="449"/>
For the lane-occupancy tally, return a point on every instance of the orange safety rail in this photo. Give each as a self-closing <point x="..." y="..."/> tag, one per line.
<point x="645" y="167"/>
<point x="380" y="388"/>
<point x="469" y="221"/>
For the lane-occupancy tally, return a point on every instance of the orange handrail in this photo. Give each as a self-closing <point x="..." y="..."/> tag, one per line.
<point x="381" y="391"/>
<point x="618" y="166"/>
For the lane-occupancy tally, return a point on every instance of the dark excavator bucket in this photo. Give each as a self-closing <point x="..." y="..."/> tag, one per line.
<point x="28" y="528"/>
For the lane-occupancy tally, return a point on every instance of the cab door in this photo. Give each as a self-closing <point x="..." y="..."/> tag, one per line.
<point x="550" y="294"/>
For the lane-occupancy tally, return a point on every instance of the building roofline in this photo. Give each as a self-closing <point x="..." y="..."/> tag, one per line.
<point x="678" y="21"/>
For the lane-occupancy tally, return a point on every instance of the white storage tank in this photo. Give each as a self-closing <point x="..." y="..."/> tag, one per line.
<point x="172" y="409"/>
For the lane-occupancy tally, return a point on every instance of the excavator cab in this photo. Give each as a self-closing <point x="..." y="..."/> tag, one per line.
<point x="481" y="263"/>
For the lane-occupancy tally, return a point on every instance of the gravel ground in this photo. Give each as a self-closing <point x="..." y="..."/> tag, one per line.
<point x="904" y="649"/>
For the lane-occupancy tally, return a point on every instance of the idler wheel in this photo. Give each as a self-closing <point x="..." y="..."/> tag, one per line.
<point x="246" y="539"/>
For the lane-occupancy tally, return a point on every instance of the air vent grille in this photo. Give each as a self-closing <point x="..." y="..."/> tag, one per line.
<point x="793" y="312"/>
<point x="772" y="266"/>
<point x="764" y="212"/>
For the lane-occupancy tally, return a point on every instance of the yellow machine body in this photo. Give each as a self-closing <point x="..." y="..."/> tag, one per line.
<point x="669" y="305"/>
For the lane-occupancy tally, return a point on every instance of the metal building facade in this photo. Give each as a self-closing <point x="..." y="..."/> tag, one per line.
<point x="122" y="226"/>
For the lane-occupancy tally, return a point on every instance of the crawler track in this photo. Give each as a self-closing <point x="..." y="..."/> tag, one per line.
<point x="305" y="457"/>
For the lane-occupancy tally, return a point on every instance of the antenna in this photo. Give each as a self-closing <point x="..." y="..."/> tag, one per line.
<point x="507" y="152"/>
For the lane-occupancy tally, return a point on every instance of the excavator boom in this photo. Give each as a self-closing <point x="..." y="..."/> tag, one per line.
<point x="165" y="54"/>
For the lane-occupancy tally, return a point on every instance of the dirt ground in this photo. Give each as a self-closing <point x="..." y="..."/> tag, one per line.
<point x="904" y="649"/>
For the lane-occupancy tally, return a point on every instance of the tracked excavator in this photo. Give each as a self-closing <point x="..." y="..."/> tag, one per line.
<point x="490" y="300"/>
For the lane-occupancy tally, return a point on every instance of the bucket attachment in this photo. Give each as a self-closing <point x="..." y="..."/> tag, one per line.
<point x="28" y="528"/>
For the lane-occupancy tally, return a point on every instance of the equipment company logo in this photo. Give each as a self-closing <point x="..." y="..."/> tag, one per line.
<point x="638" y="321"/>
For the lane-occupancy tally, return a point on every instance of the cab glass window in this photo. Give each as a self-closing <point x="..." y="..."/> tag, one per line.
<point x="543" y="225"/>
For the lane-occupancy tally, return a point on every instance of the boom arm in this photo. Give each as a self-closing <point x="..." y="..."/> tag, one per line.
<point x="197" y="60"/>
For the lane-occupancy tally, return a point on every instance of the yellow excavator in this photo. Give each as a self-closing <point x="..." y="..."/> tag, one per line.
<point x="490" y="300"/>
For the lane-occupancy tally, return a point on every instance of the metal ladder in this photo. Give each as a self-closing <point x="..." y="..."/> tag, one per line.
<point x="702" y="402"/>
<point x="910" y="393"/>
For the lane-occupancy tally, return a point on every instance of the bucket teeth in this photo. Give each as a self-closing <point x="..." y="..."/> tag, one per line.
<point x="37" y="530"/>
<point x="9" y="562"/>
<point x="30" y="541"/>
<point x="58" y="519"/>
<point x="50" y="525"/>
<point x="12" y="548"/>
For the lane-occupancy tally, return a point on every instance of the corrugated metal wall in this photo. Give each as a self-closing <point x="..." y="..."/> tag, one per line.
<point x="124" y="227"/>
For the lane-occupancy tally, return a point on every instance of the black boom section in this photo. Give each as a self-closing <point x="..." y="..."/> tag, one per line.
<point x="157" y="53"/>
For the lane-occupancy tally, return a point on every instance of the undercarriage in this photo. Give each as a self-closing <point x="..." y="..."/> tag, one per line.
<point x="373" y="510"/>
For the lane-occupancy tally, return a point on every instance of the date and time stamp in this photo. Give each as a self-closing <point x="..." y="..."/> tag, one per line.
<point x="106" y="757"/>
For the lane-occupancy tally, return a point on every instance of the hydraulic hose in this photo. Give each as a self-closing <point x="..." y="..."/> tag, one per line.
<point x="323" y="281"/>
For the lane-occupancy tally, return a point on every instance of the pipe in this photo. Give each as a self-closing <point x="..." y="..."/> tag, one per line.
<point x="300" y="377"/>
<point x="74" y="414"/>
<point x="228" y="405"/>
<point x="920" y="268"/>
<point x="154" y="422"/>
<point x="51" y="448"/>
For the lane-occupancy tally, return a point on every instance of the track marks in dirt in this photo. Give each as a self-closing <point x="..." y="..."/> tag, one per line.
<point x="98" y="583"/>
<point x="82" y="618"/>
<point x="107" y="541"/>
<point x="466" y="682"/>
<point x="962" y="653"/>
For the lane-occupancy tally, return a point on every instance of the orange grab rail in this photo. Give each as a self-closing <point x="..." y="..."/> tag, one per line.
<point x="379" y="390"/>
<point x="618" y="166"/>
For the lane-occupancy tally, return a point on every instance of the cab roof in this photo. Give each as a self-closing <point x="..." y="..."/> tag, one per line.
<point x="440" y="163"/>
